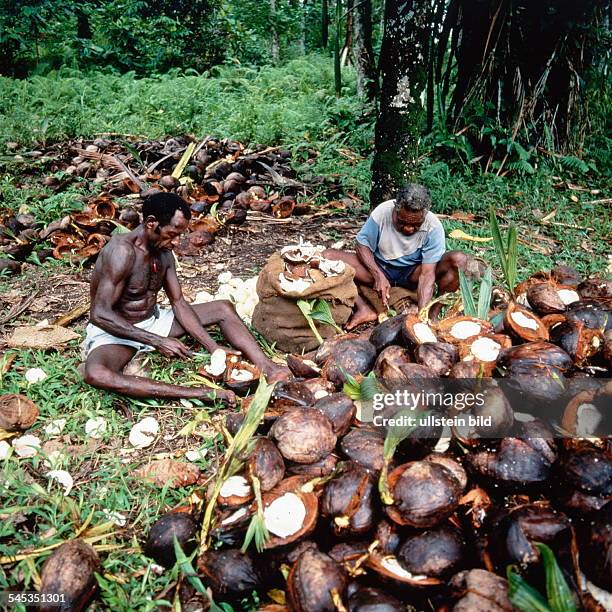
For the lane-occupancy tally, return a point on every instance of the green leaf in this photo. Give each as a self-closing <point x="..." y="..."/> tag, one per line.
<point x="466" y="287"/>
<point x="512" y="258"/>
<point x="187" y="569"/>
<point x="306" y="309"/>
<point x="560" y="596"/>
<point x="257" y="527"/>
<point x="321" y="311"/>
<point x="523" y="596"/>
<point x="484" y="298"/>
<point x="351" y="387"/>
<point x="369" y="387"/>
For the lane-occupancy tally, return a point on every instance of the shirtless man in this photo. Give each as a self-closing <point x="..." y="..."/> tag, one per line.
<point x="125" y="317"/>
<point x="402" y="244"/>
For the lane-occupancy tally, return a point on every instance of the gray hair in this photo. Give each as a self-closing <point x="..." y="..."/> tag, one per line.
<point x="413" y="198"/>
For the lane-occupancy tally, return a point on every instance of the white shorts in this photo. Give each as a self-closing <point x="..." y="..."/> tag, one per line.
<point x="160" y="324"/>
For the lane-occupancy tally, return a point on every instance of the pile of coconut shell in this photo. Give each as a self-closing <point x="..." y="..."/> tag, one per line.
<point x="220" y="179"/>
<point x="435" y="524"/>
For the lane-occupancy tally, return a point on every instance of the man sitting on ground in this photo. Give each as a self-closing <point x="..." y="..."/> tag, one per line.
<point x="401" y="244"/>
<point x="125" y="317"/>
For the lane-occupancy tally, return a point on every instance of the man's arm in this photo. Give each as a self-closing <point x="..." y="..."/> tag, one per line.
<point x="183" y="311"/>
<point x="427" y="282"/>
<point x="116" y="262"/>
<point x="381" y="282"/>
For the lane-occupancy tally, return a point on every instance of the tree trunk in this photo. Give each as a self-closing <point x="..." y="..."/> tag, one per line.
<point x="324" y="24"/>
<point x="362" y="49"/>
<point x="302" y="41"/>
<point x="404" y="77"/>
<point x="275" y="46"/>
<point x="345" y="54"/>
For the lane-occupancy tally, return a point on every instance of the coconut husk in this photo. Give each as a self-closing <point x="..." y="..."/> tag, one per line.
<point x="400" y="299"/>
<point x="168" y="471"/>
<point x="278" y="318"/>
<point x="48" y="337"/>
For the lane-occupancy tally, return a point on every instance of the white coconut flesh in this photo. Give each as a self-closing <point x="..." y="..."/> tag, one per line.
<point x="465" y="329"/>
<point x="423" y="333"/>
<point x="217" y="364"/>
<point x="331" y="268"/>
<point x="320" y="393"/>
<point x="241" y="375"/>
<point x="601" y="596"/>
<point x="588" y="419"/>
<point x="444" y="441"/>
<point x="568" y="296"/>
<point x="522" y="320"/>
<point x="524" y="417"/>
<point x="285" y="515"/>
<point x="232" y="518"/>
<point x="237" y="486"/>
<point x="295" y="286"/>
<point x="485" y="349"/>
<point x="392" y="565"/>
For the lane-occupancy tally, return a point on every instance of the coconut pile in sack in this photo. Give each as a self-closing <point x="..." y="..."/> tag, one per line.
<point x="300" y="272"/>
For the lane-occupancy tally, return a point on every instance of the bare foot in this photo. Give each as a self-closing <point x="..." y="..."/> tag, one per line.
<point x="276" y="372"/>
<point x="360" y="316"/>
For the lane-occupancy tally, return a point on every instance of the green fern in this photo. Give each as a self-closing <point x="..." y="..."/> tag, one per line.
<point x="573" y="164"/>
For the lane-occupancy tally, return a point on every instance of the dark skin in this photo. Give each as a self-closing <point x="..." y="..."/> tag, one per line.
<point x="424" y="277"/>
<point x="129" y="274"/>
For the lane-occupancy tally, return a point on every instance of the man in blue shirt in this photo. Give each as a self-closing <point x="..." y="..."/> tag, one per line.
<point x="401" y="244"/>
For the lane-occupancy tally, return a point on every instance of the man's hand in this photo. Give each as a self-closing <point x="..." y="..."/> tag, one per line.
<point x="382" y="286"/>
<point x="171" y="347"/>
<point x="220" y="395"/>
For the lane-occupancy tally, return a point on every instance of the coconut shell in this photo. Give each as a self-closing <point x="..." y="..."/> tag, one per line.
<point x="168" y="472"/>
<point x="535" y="353"/>
<point x="324" y="467"/>
<point x="301" y="368"/>
<point x="70" y="570"/>
<point x="368" y="599"/>
<point x="230" y="573"/>
<point x="339" y="409"/>
<point x="597" y="559"/>
<point x="389" y="569"/>
<point x="304" y="436"/>
<point x="577" y="340"/>
<point x="514" y="324"/>
<point x="387" y="333"/>
<point x="17" y="412"/>
<point x="160" y="542"/>
<point x="266" y="463"/>
<point x="365" y="446"/>
<point x="593" y="314"/>
<point x="290" y="394"/>
<point x="424" y="494"/>
<point x="314" y="582"/>
<point x="439" y="357"/>
<point x="589" y="471"/>
<point x="544" y="299"/>
<point x="324" y="352"/>
<point x="240" y="387"/>
<point x="319" y="387"/>
<point x="478" y="589"/>
<point x="514" y="464"/>
<point x="348" y="499"/>
<point x="390" y="364"/>
<point x="596" y="289"/>
<point x="435" y="552"/>
<point x="351" y="357"/>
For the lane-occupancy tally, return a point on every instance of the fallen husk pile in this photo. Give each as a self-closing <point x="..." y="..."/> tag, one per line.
<point x="221" y="180"/>
<point x="362" y="516"/>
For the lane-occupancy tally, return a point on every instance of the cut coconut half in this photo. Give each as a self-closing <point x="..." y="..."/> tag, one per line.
<point x="293" y="285"/>
<point x="289" y="514"/>
<point x="240" y="376"/>
<point x="568" y="296"/>
<point x="235" y="516"/>
<point x="416" y="331"/>
<point x="235" y="491"/>
<point x="524" y="324"/>
<point x="458" y="329"/>
<point x="581" y="417"/>
<point x="486" y="349"/>
<point x="330" y="267"/>
<point x="389" y="567"/>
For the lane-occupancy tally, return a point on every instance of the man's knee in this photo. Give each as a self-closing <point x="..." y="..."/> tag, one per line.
<point x="96" y="375"/>
<point x="225" y="309"/>
<point x="455" y="259"/>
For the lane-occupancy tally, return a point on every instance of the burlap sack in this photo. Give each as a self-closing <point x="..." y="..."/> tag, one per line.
<point x="399" y="298"/>
<point x="277" y="317"/>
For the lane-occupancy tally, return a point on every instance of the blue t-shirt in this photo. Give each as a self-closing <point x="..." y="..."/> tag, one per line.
<point x="425" y="246"/>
